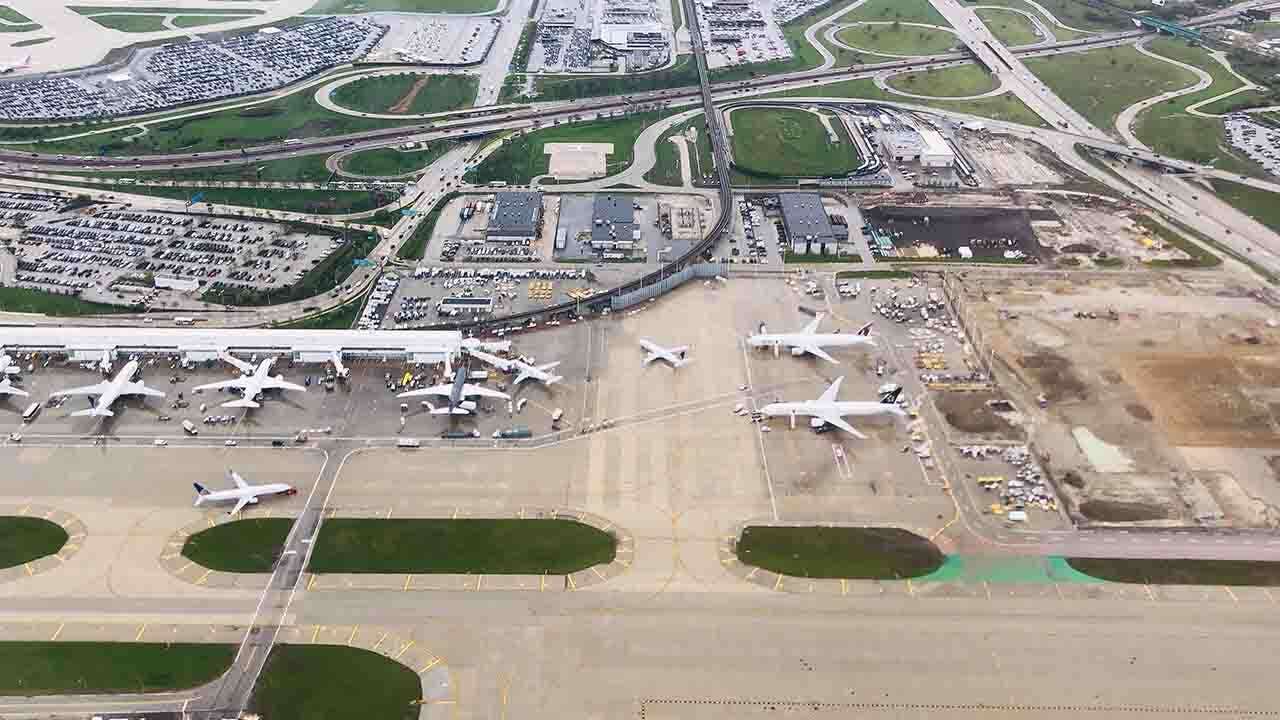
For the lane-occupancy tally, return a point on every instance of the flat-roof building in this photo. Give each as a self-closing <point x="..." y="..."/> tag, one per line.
<point x="515" y="214"/>
<point x="613" y="223"/>
<point x="199" y="344"/>
<point x="923" y="145"/>
<point x="808" y="227"/>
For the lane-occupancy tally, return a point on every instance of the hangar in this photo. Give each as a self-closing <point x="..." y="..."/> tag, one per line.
<point x="198" y="344"/>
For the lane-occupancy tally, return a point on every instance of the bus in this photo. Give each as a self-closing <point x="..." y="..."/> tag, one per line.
<point x="293" y="141"/>
<point x="182" y="320"/>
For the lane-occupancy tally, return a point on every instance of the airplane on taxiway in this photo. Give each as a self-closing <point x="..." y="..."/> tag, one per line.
<point x="242" y="494"/>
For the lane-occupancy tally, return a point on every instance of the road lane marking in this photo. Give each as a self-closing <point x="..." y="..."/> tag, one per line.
<point x="434" y="662"/>
<point x="352" y="637"/>
<point x="57" y="632"/>
<point x="379" y="643"/>
<point x="404" y="649"/>
<point x="315" y="634"/>
<point x="141" y="630"/>
<point x="1234" y="599"/>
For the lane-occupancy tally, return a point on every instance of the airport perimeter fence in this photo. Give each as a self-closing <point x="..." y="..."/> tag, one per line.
<point x="667" y="284"/>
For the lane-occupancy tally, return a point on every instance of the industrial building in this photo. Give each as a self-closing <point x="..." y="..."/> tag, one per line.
<point x="199" y="344"/>
<point x="613" y="226"/>
<point x="515" y="217"/>
<point x="808" y="227"/>
<point x="923" y="145"/>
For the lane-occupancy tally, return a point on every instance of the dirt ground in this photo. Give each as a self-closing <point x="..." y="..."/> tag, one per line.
<point x="987" y="231"/>
<point x="1166" y="366"/>
<point x="972" y="413"/>
<point x="406" y="102"/>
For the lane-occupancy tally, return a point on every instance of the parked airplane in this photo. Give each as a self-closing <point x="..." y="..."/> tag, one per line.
<point x="541" y="373"/>
<point x="8" y="366"/>
<point x="108" y="391"/>
<point x="243" y="494"/>
<point x="676" y="355"/>
<point x="105" y="363"/>
<point x="339" y="369"/>
<point x="458" y="391"/>
<point x="828" y="410"/>
<point x="809" y="340"/>
<point x="254" y="382"/>
<point x="7" y="388"/>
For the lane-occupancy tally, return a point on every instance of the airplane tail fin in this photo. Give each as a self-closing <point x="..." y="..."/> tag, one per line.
<point x="93" y="412"/>
<point x="890" y="397"/>
<point x="865" y="330"/>
<point x="242" y="403"/>
<point x="649" y="358"/>
<point x="201" y="492"/>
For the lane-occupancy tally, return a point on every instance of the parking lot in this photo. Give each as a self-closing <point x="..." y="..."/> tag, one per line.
<point x="115" y="254"/>
<point x="193" y="72"/>
<point x="1260" y="143"/>
<point x="434" y="40"/>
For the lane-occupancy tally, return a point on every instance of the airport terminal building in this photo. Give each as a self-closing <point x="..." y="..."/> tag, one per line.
<point x="199" y="344"/>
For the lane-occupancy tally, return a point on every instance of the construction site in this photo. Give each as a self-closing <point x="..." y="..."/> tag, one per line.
<point x="1149" y="400"/>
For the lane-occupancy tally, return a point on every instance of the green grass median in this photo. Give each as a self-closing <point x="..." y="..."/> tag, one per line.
<point x="332" y="682"/>
<point x="1165" y="571"/>
<point x="25" y="300"/>
<point x="491" y="547"/>
<point x="23" y="539"/>
<point x="58" y="668"/>
<point x="240" y="546"/>
<point x="815" y="551"/>
<point x="789" y="142"/>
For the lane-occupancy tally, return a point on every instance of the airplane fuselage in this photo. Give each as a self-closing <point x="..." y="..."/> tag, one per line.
<point x="108" y="398"/>
<point x="797" y="341"/>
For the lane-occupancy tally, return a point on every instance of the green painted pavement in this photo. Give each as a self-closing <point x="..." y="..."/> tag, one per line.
<point x="1013" y="569"/>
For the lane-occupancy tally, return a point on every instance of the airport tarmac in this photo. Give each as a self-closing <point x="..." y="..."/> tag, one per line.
<point x="682" y="631"/>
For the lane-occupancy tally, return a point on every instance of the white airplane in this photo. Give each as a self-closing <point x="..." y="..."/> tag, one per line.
<point x="828" y="410"/>
<point x="457" y="392"/>
<point x="339" y="369"/>
<point x="108" y="391"/>
<point x="677" y="356"/>
<point x="105" y="363"/>
<point x="809" y="340"/>
<point x="7" y="66"/>
<point x="8" y="366"/>
<point x="7" y="388"/>
<point x="541" y="373"/>
<point x="254" y="382"/>
<point x="243" y="494"/>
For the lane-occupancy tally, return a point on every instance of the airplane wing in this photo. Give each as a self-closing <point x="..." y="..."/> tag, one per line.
<point x="819" y="352"/>
<point x="98" y="389"/>
<point x="236" y="383"/>
<point x="235" y="478"/>
<point x="829" y="395"/>
<point x="469" y="389"/>
<point x="274" y="384"/>
<point x="240" y="505"/>
<point x="840" y="423"/>
<point x="812" y="327"/>
<point x="493" y="360"/>
<point x="439" y="390"/>
<point x="650" y="358"/>
<point x="239" y="364"/>
<point x="7" y="389"/>
<point x="137" y="388"/>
